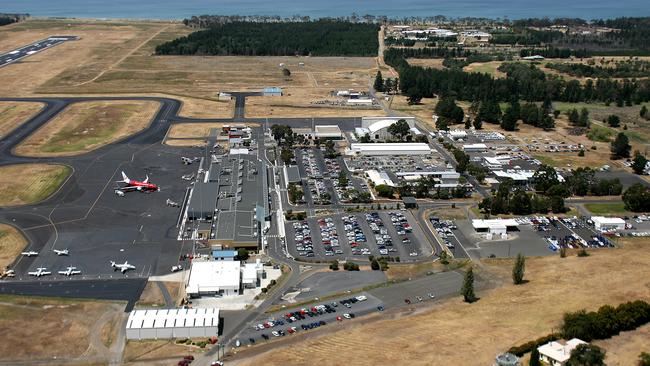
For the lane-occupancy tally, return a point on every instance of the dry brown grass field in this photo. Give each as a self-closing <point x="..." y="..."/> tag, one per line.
<point x="13" y="114"/>
<point x="38" y="181"/>
<point x="435" y="63"/>
<point x="624" y="349"/>
<point x="453" y="332"/>
<point x="49" y="328"/>
<point x="85" y="126"/>
<point x="12" y="242"/>
<point x="155" y="352"/>
<point x="422" y="111"/>
<point x="151" y="296"/>
<point x="185" y="142"/>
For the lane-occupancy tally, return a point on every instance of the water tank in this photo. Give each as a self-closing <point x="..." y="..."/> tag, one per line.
<point x="507" y="359"/>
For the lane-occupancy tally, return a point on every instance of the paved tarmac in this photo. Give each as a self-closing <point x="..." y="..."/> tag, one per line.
<point x="30" y="49"/>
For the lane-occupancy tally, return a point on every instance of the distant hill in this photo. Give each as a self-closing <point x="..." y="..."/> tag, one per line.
<point x="318" y="38"/>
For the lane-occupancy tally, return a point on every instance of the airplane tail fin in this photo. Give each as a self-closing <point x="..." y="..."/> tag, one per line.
<point x="125" y="178"/>
<point x="146" y="179"/>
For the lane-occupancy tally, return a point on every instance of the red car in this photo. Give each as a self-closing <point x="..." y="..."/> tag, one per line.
<point x="339" y="318"/>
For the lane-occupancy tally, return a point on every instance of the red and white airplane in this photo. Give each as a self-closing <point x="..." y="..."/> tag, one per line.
<point x="135" y="185"/>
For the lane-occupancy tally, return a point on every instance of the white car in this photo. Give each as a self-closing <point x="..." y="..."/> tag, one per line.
<point x="347" y="316"/>
<point x="177" y="268"/>
<point x="362" y="298"/>
<point x="413" y="254"/>
<point x="275" y="333"/>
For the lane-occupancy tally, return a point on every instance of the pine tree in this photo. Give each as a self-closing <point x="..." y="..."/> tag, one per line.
<point x="574" y="117"/>
<point x="621" y="146"/>
<point x="478" y="124"/>
<point x="584" y="117"/>
<point x="534" y="357"/>
<point x="613" y="120"/>
<point x="468" y="287"/>
<point x="468" y="123"/>
<point x="509" y="121"/>
<point x="379" y="82"/>
<point x="639" y="163"/>
<point x="643" y="112"/>
<point x="518" y="269"/>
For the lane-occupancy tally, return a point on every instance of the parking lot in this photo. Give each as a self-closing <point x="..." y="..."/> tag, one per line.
<point x="358" y="235"/>
<point x="292" y="321"/>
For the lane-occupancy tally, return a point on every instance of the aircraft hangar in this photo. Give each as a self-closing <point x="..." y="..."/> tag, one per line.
<point x="172" y="323"/>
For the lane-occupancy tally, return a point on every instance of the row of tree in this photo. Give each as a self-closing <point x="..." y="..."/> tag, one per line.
<point x="623" y="69"/>
<point x="608" y="321"/>
<point x="554" y="52"/>
<point x="522" y="82"/>
<point x="320" y="38"/>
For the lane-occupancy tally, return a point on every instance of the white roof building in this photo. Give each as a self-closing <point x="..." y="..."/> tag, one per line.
<point x="251" y="272"/>
<point x="379" y="178"/>
<point x="172" y="323"/>
<point x="328" y="131"/>
<point x="556" y="353"/>
<point x="360" y="101"/>
<point x="390" y="149"/>
<point x="475" y="147"/>
<point x="214" y="277"/>
<point x="516" y="175"/>
<point x="608" y="223"/>
<point x="361" y="131"/>
<point x="458" y="134"/>
<point x="494" y="226"/>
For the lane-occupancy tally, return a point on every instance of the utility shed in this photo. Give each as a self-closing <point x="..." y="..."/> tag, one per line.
<point x="172" y="323"/>
<point x="203" y="201"/>
<point x="272" y="91"/>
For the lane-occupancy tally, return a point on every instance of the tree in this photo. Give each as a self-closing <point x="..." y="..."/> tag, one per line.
<point x="374" y="264"/>
<point x="444" y="258"/>
<point x="414" y="95"/>
<point x="399" y="129"/>
<point x="621" y="146"/>
<point x="510" y="118"/>
<point x="286" y="72"/>
<point x="286" y="155"/>
<point x="587" y="355"/>
<point x="468" y="123"/>
<point x="518" y="269"/>
<point x="644" y="358"/>
<point x="379" y="82"/>
<point x="574" y="116"/>
<point x="546" y="122"/>
<point x="468" y="287"/>
<point x="643" y="113"/>
<point x="334" y="266"/>
<point x="534" y="357"/>
<point x="637" y="198"/>
<point x="385" y="191"/>
<point x="613" y="120"/>
<point x="343" y="179"/>
<point x="639" y="163"/>
<point x="489" y="111"/>
<point x="447" y="109"/>
<point x="242" y="254"/>
<point x="478" y="124"/>
<point x="545" y="177"/>
<point x="584" y="118"/>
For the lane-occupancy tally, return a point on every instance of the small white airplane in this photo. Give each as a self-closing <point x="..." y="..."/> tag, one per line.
<point x="70" y="271"/>
<point x="188" y="177"/>
<point x="31" y="253"/>
<point x="186" y="161"/>
<point x="62" y="252"/>
<point x="40" y="271"/>
<point x="122" y="267"/>
<point x="8" y="273"/>
<point x="172" y="203"/>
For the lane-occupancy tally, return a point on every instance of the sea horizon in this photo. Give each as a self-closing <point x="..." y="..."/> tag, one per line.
<point x="175" y="10"/>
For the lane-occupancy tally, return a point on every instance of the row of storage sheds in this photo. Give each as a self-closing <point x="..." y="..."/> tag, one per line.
<point x="172" y="323"/>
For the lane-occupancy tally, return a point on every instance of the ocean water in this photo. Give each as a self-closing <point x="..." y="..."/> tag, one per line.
<point x="179" y="9"/>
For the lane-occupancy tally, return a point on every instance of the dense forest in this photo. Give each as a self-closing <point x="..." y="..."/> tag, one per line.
<point x="319" y="38"/>
<point x="524" y="81"/>
<point x="623" y="69"/>
<point x="6" y="19"/>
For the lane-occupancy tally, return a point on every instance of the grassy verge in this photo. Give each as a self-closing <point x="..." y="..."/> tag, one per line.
<point x="614" y="208"/>
<point x="39" y="181"/>
<point x="599" y="133"/>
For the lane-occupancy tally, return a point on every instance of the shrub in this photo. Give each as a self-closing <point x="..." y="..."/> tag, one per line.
<point x="606" y="322"/>
<point x="583" y="253"/>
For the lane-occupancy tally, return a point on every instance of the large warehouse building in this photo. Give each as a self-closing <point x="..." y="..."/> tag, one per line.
<point x="203" y="201"/>
<point x="390" y="149"/>
<point x="172" y="323"/>
<point x="377" y="127"/>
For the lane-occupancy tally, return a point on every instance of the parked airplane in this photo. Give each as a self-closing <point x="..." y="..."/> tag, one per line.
<point x="62" y="252"/>
<point x="135" y="185"/>
<point x="188" y="177"/>
<point x="8" y="273"/>
<point x="70" y="271"/>
<point x="172" y="203"/>
<point x="40" y="271"/>
<point x="186" y="161"/>
<point x="122" y="267"/>
<point x="31" y="253"/>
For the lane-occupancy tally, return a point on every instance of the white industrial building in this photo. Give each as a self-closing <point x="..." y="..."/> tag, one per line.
<point x="331" y="132"/>
<point x="361" y="102"/>
<point x="445" y="178"/>
<point x="475" y="148"/>
<point x="557" y="353"/>
<point x="494" y="226"/>
<point x="172" y="323"/>
<point x="377" y="127"/>
<point x="379" y="178"/>
<point x="458" y="134"/>
<point x="252" y="274"/>
<point x="389" y="149"/>
<point x="222" y="277"/>
<point x="608" y="223"/>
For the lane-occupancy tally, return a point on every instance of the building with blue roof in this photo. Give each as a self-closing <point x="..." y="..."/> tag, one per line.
<point x="224" y="255"/>
<point x="272" y="91"/>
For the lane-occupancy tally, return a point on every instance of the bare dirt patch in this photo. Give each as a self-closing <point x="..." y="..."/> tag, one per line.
<point x="151" y="296"/>
<point x="186" y="142"/>
<point x="434" y="63"/>
<point x="12" y="242"/>
<point x="298" y="103"/>
<point x="64" y="324"/>
<point x="13" y="114"/>
<point x="503" y="317"/>
<point x="37" y="182"/>
<point x="422" y="111"/>
<point x="155" y="352"/>
<point x="198" y="130"/>
<point x="86" y="126"/>
<point x="205" y="108"/>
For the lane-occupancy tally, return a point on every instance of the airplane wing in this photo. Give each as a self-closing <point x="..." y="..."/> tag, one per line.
<point x="75" y="272"/>
<point x="46" y="273"/>
<point x="123" y="269"/>
<point x="129" y="188"/>
<point x="63" y="272"/>
<point x="32" y="273"/>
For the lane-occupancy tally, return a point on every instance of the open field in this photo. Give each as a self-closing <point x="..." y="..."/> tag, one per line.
<point x="155" y="352"/>
<point x="607" y="209"/>
<point x="473" y="334"/>
<point x="205" y="108"/>
<point x="12" y="242"/>
<point x="297" y="104"/>
<point x="13" y="114"/>
<point x="38" y="181"/>
<point x="435" y="63"/>
<point x="196" y="130"/>
<point x="624" y="349"/>
<point x="86" y="126"/>
<point x="46" y="328"/>
<point x="186" y="142"/>
<point x="101" y="45"/>
<point x="151" y="296"/>
<point x="486" y="68"/>
<point x="422" y="111"/>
